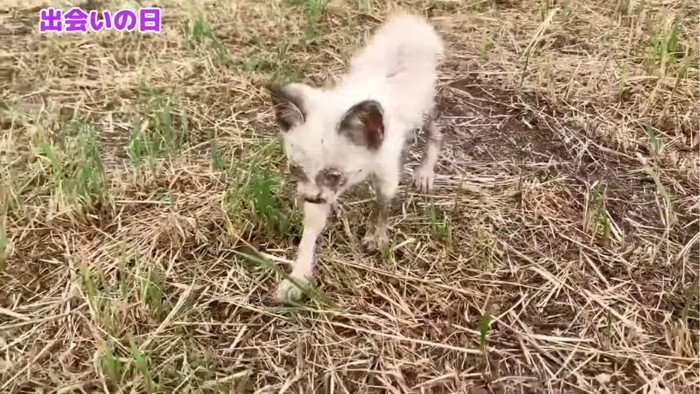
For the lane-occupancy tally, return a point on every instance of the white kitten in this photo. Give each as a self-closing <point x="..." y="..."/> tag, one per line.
<point x="337" y="138"/>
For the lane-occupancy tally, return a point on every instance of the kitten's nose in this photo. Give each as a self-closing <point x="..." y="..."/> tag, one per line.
<point x="315" y="200"/>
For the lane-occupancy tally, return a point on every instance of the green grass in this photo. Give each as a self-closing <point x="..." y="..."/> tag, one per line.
<point x="484" y="329"/>
<point x="73" y="166"/>
<point x="278" y="71"/>
<point x="143" y="365"/>
<point x="596" y="222"/>
<point x="664" y="47"/>
<point x="313" y="12"/>
<point x="257" y="188"/>
<point x="312" y="292"/>
<point x="624" y="78"/>
<point x="200" y="38"/>
<point x="134" y="287"/>
<point x="691" y="308"/>
<point x="159" y="130"/>
<point x="485" y="46"/>
<point x="652" y="140"/>
<point x="439" y="224"/>
<point x="105" y="309"/>
<point x="215" y="154"/>
<point x="567" y="10"/>
<point x="257" y="192"/>
<point x="111" y="364"/>
<point x="152" y="291"/>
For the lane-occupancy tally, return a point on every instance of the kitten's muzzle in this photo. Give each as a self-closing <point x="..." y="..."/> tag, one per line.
<point x="315" y="199"/>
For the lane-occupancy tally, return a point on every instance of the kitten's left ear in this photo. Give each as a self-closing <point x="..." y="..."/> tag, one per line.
<point x="290" y="104"/>
<point x="363" y="124"/>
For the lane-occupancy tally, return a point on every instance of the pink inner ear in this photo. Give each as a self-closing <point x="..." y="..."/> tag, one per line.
<point x="374" y="128"/>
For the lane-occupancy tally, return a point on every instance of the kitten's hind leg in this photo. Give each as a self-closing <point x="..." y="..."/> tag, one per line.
<point x="424" y="175"/>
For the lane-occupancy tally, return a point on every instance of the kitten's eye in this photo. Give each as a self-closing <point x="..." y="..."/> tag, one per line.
<point x="332" y="178"/>
<point x="297" y="172"/>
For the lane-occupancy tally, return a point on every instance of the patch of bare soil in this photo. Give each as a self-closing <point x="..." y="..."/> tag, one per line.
<point x="487" y="126"/>
<point x="496" y="128"/>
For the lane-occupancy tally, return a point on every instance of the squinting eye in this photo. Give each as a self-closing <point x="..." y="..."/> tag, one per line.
<point x="297" y="172"/>
<point x="332" y="178"/>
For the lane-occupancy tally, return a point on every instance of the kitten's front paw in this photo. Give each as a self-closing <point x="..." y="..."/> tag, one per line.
<point x="290" y="293"/>
<point x="423" y="178"/>
<point x="374" y="242"/>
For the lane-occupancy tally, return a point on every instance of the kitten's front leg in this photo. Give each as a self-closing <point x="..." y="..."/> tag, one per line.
<point x="424" y="175"/>
<point x="315" y="219"/>
<point x="386" y="186"/>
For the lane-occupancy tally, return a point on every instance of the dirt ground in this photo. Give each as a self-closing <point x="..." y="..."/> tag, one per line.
<point x="146" y="218"/>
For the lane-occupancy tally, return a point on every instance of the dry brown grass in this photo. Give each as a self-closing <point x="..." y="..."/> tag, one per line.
<point x="566" y="207"/>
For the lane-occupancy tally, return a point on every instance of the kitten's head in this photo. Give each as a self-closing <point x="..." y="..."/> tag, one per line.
<point x="328" y="144"/>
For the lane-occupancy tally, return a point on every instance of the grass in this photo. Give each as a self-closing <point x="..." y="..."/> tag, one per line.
<point x="484" y="328"/>
<point x="73" y="167"/>
<point x="439" y="224"/>
<point x="3" y="237"/>
<point x="145" y="219"/>
<point x="596" y="220"/>
<point x="200" y="37"/>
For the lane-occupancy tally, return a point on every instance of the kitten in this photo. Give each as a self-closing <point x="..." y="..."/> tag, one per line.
<point x="339" y="137"/>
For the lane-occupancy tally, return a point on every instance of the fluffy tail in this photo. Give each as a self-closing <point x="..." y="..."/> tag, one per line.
<point x="405" y="44"/>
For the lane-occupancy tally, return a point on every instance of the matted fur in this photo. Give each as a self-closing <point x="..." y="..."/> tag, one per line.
<point x="358" y="129"/>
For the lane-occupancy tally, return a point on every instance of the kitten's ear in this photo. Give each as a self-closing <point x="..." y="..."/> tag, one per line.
<point x="289" y="104"/>
<point x="363" y="124"/>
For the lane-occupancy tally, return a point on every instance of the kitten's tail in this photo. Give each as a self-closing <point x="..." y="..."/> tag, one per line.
<point x="406" y="43"/>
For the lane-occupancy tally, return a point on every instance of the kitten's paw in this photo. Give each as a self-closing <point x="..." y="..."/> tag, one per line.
<point x="290" y="293"/>
<point x="423" y="178"/>
<point x="374" y="242"/>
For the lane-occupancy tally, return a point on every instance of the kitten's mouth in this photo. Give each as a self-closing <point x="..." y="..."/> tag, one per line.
<point x="315" y="200"/>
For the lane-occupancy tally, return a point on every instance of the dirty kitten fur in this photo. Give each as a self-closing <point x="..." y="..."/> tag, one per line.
<point x="339" y="137"/>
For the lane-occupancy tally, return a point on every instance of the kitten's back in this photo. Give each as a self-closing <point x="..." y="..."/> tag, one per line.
<point x="405" y="46"/>
<point x="401" y="60"/>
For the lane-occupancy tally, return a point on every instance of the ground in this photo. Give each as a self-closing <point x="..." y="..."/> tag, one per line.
<point x="146" y="219"/>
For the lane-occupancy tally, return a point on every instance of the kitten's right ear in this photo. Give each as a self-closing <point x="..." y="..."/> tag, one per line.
<point x="289" y="104"/>
<point x="363" y="124"/>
